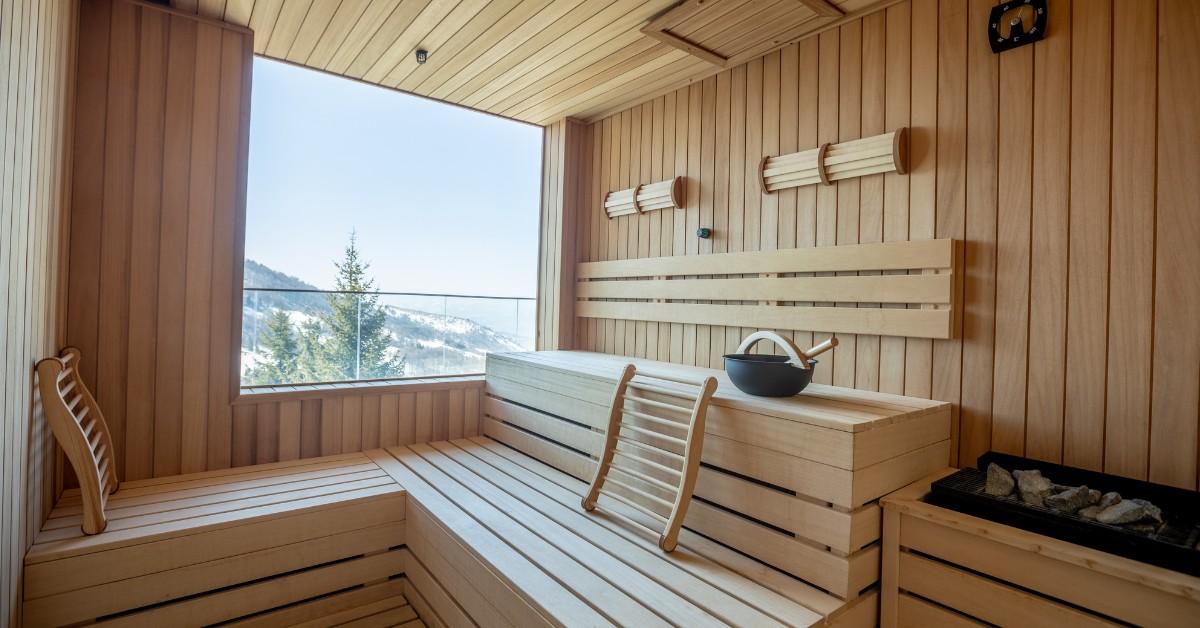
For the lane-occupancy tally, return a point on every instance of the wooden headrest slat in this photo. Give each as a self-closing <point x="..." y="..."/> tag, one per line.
<point x="653" y="419"/>
<point x="660" y="404"/>
<point x="65" y="390"/>
<point x="643" y="477"/>
<point x="661" y="467"/>
<point x="662" y="391"/>
<point x="66" y="373"/>
<point x="74" y="402"/>
<point x="642" y="430"/>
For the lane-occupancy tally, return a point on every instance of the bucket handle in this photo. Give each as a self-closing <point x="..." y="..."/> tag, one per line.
<point x="797" y="356"/>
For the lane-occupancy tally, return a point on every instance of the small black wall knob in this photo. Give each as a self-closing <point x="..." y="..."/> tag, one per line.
<point x="704" y="233"/>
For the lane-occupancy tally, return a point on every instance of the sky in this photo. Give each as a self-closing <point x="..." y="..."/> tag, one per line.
<point x="443" y="199"/>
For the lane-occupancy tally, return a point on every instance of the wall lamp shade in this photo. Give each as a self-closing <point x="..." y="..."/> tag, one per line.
<point x="834" y="162"/>
<point x="643" y="198"/>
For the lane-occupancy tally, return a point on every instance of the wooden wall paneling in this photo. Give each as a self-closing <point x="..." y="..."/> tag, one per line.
<point x="371" y="405"/>
<point x="951" y="183"/>
<point x="199" y="266"/>
<point x="172" y="264"/>
<point x="768" y="222"/>
<point x="266" y="433"/>
<point x="645" y="158"/>
<point x="112" y="310"/>
<point x="1175" y="395"/>
<point x="1088" y="237"/>
<point x="828" y="76"/>
<point x="87" y="182"/>
<point x="738" y="178"/>
<point x="870" y="225"/>
<point x="979" y="298"/>
<point x="692" y="202"/>
<point x="679" y="220"/>
<point x="722" y="170"/>
<point x="290" y="421"/>
<point x="667" y="233"/>
<point x="224" y="365"/>
<point x="351" y="423"/>
<point x="389" y="420"/>
<point x="331" y="426"/>
<point x="923" y="154"/>
<point x="1012" y="328"/>
<point x="654" y="235"/>
<point x="1131" y="245"/>
<point x="37" y="64"/>
<point x="897" y="88"/>
<point x="144" y="249"/>
<point x="706" y="211"/>
<point x="406" y="418"/>
<point x="245" y="424"/>
<point x="1003" y="148"/>
<point x="849" y="112"/>
<point x="1049" y="240"/>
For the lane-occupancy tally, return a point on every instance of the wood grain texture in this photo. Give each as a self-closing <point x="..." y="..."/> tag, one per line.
<point x="1060" y="164"/>
<point x="174" y="153"/>
<point x="37" y="66"/>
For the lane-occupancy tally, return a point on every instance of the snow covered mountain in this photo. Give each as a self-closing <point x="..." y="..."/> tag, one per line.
<point x="426" y="331"/>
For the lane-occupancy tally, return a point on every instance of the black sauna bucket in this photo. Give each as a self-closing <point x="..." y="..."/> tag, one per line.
<point x="767" y="375"/>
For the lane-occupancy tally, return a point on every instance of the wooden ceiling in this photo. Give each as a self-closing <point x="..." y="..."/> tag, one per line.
<point x="533" y="60"/>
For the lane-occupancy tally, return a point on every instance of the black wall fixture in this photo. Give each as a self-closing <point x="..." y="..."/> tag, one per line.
<point x="1016" y="23"/>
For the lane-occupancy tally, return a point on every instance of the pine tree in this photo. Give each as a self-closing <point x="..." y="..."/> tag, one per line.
<point x="283" y="352"/>
<point x="357" y="345"/>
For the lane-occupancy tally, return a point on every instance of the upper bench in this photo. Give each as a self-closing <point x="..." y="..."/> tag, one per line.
<point x="790" y="481"/>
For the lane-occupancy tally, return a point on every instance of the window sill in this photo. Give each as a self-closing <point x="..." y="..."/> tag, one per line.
<point x="249" y="395"/>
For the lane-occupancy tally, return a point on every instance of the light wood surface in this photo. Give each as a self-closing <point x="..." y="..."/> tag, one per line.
<point x="1059" y="166"/>
<point x="467" y="495"/>
<point x="217" y="546"/>
<point x="979" y="571"/>
<point x="676" y="418"/>
<point x="566" y="150"/>
<point x="673" y="293"/>
<point x="37" y="72"/>
<point x="810" y="465"/>
<point x="155" y="233"/>
<point x="832" y="162"/>
<point x="533" y="60"/>
<point x="81" y="432"/>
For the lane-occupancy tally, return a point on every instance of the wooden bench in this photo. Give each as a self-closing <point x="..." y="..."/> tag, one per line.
<point x="275" y="544"/>
<point x="946" y="568"/>
<point x="497" y="538"/>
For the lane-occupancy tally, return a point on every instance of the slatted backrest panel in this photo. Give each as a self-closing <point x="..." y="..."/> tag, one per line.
<point x="914" y="284"/>
<point x="81" y="431"/>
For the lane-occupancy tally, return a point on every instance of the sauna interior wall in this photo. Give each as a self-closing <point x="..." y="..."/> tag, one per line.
<point x="155" y="276"/>
<point x="36" y="62"/>
<point x="1068" y="167"/>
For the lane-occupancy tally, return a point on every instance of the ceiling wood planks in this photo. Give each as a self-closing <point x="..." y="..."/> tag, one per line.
<point x="532" y="60"/>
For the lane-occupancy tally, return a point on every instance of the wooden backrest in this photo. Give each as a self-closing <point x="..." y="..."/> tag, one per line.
<point x="80" y="430"/>
<point x="911" y="288"/>
<point x="655" y="436"/>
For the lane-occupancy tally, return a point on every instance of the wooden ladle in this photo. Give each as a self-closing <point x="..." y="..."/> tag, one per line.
<point x="796" y="357"/>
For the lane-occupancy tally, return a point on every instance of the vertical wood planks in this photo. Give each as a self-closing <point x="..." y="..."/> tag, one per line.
<point x="1131" y="246"/>
<point x="1049" y="240"/>
<point x="1056" y="164"/>
<point x="1175" y="395"/>
<point x="1088" y="245"/>
<point x="36" y="64"/>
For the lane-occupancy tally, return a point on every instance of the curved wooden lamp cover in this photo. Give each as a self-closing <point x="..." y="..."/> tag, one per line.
<point x="643" y="198"/>
<point x="634" y="434"/>
<point x="833" y="162"/>
<point x="82" y="433"/>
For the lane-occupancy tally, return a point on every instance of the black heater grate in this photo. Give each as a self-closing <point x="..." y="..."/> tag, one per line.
<point x="1173" y="545"/>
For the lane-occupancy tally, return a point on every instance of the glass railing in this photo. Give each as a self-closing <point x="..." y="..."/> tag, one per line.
<point x="305" y="336"/>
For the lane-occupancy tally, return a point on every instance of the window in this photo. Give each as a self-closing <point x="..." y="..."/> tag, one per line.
<point x="387" y="235"/>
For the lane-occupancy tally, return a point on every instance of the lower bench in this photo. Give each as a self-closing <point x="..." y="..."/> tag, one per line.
<point x="315" y="541"/>
<point x="497" y="538"/>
